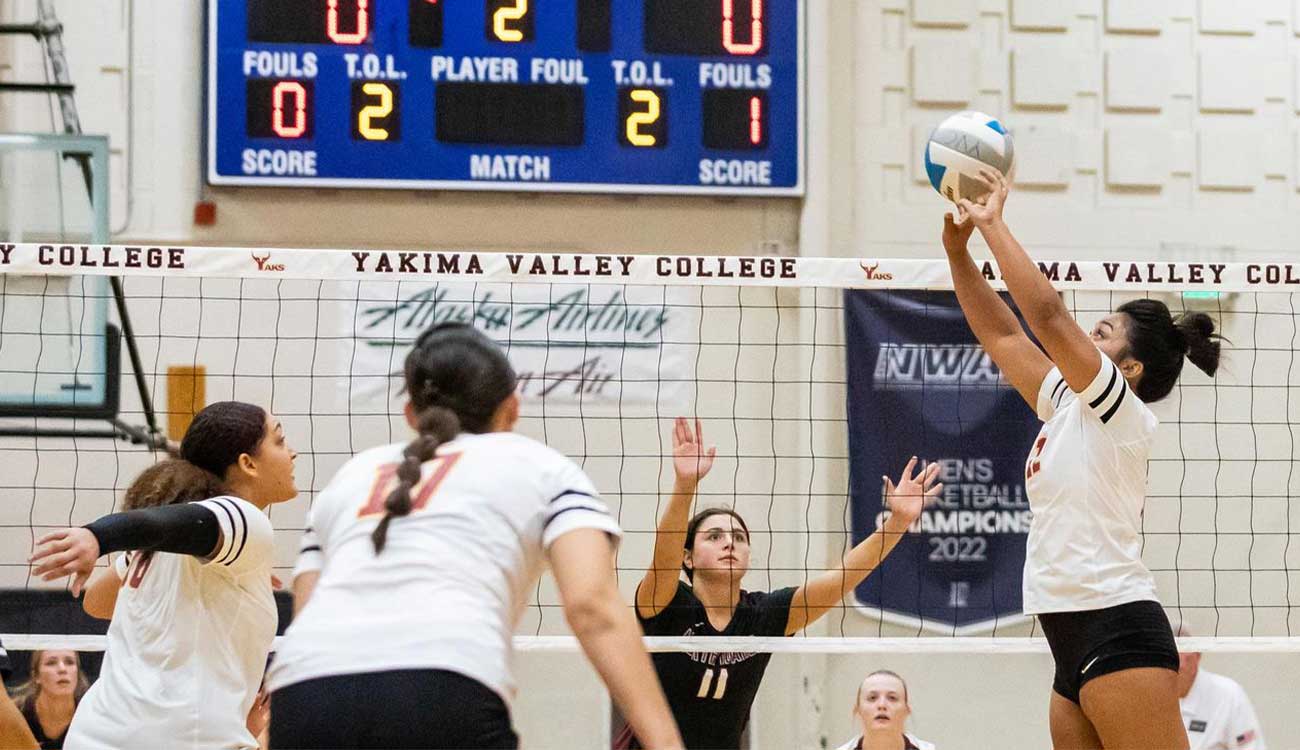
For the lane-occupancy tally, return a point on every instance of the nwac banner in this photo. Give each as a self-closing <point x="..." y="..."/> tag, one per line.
<point x="920" y="385"/>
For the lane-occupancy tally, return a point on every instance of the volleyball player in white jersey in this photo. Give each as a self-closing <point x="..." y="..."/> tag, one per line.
<point x="420" y="559"/>
<point x="191" y="630"/>
<point x="1116" y="662"/>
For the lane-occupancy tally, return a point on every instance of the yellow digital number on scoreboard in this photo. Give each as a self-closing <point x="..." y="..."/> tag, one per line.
<point x="376" y="114"/>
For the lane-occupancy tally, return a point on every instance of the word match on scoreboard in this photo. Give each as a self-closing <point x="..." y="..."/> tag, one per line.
<point x="633" y="96"/>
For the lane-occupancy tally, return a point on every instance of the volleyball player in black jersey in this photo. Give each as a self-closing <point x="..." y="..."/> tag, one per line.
<point x="711" y="694"/>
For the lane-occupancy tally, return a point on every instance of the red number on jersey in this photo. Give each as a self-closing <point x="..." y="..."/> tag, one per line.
<point x="139" y="565"/>
<point x="386" y="479"/>
<point x="1034" y="466"/>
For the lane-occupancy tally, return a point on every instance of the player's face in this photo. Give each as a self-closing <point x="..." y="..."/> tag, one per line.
<point x="882" y="703"/>
<point x="57" y="672"/>
<point x="721" y="545"/>
<point x="274" y="460"/>
<point x="1111" y="336"/>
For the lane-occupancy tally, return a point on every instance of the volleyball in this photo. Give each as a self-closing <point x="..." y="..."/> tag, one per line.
<point x="962" y="145"/>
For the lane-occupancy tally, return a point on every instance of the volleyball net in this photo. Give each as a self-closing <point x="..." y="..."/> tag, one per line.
<point x="812" y="376"/>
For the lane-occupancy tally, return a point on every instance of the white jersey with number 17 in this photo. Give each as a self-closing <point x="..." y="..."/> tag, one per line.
<point x="452" y="582"/>
<point x="1086" y="477"/>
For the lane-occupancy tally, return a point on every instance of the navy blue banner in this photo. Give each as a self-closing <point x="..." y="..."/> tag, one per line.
<point x="919" y="384"/>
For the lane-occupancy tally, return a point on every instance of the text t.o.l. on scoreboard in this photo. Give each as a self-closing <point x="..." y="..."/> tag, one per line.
<point x="630" y="96"/>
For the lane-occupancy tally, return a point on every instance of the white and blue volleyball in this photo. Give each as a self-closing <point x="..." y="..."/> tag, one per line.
<point x="960" y="147"/>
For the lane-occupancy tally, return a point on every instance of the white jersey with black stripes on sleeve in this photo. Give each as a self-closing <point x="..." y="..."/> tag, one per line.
<point x="456" y="574"/>
<point x="187" y="645"/>
<point x="1086" y="478"/>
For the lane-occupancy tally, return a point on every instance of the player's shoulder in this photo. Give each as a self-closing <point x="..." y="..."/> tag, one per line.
<point x="231" y="502"/>
<point x="372" y="457"/>
<point x="511" y="443"/>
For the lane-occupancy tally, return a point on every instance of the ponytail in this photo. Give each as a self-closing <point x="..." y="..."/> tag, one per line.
<point x="436" y="425"/>
<point x="171" y="481"/>
<point x="1161" y="342"/>
<point x="1202" y="342"/>
<point x="457" y="378"/>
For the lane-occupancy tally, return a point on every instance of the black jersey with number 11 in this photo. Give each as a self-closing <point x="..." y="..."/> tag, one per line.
<point x="711" y="693"/>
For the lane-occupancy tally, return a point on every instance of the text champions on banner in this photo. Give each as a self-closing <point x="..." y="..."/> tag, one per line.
<point x="920" y="385"/>
<point x="600" y="268"/>
<point x="568" y="343"/>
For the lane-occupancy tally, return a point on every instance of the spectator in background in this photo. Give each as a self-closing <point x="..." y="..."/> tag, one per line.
<point x="881" y="710"/>
<point x="1216" y="711"/>
<point x="50" y="696"/>
<point x="13" y="730"/>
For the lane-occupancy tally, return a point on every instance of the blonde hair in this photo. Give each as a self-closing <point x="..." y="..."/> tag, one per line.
<point x="858" y="698"/>
<point x="31" y="689"/>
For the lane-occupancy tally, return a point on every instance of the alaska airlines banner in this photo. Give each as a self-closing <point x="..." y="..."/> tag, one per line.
<point x="919" y="384"/>
<point x="569" y="343"/>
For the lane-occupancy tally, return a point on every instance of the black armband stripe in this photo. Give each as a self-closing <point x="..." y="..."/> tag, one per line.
<point x="1115" y="406"/>
<point x="231" y="516"/>
<point x="1057" y="391"/>
<point x="1114" y="374"/>
<point x="561" y="512"/>
<point x="243" y="526"/>
<point x="566" y="493"/>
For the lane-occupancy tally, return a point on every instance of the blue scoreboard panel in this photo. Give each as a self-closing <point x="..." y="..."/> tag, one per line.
<point x="632" y="96"/>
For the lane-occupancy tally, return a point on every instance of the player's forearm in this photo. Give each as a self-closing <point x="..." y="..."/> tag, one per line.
<point x="670" y="534"/>
<point x="185" y="529"/>
<point x="1033" y="293"/>
<point x="304" y="584"/>
<point x="867" y="556"/>
<point x="611" y="639"/>
<point x="13" y="727"/>
<point x="101" y="595"/>
<point x="986" y="312"/>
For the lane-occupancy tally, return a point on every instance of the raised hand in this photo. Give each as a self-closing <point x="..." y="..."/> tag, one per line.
<point x="691" y="462"/>
<point x="66" y="552"/>
<point x="956" y="234"/>
<point x="989" y="209"/>
<point x="909" y="497"/>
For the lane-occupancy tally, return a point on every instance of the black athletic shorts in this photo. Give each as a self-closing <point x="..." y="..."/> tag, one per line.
<point x="413" y="708"/>
<point x="1096" y="642"/>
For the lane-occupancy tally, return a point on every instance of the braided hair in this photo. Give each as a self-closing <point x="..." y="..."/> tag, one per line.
<point x="456" y="378"/>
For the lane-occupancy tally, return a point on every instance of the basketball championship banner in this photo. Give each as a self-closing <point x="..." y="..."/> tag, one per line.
<point x="569" y="343"/>
<point x="920" y="385"/>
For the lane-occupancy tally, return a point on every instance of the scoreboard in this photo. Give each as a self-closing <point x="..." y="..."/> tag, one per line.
<point x="626" y="96"/>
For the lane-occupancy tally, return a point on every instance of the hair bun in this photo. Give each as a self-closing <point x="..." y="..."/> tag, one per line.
<point x="1200" y="342"/>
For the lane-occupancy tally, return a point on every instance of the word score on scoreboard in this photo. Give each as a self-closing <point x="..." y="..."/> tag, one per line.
<point x="611" y="96"/>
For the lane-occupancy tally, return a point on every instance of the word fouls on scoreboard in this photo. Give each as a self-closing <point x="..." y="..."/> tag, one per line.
<point x="732" y="119"/>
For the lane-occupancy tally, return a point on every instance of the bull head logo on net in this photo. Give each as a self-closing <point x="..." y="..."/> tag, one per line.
<point x="263" y="265"/>
<point x="873" y="274"/>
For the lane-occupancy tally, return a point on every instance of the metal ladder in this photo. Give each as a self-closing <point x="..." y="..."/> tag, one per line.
<point x="48" y="31"/>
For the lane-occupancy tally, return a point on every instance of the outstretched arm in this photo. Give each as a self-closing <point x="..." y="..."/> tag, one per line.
<point x="583" y="563"/>
<point x="905" y="501"/>
<point x="691" y="463"/>
<point x="186" y="528"/>
<point x="988" y="316"/>
<point x="1066" y="343"/>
